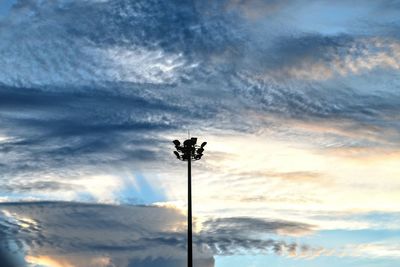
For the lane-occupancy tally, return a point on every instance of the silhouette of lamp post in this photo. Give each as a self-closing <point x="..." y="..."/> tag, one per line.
<point x="189" y="152"/>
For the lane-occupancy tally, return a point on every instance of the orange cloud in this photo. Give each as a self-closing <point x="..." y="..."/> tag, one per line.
<point x="47" y="261"/>
<point x="72" y="261"/>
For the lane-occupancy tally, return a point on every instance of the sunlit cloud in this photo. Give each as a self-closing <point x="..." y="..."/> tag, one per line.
<point x="360" y="56"/>
<point x="21" y="221"/>
<point x="47" y="261"/>
<point x="248" y="175"/>
<point x="4" y="138"/>
<point x="64" y="261"/>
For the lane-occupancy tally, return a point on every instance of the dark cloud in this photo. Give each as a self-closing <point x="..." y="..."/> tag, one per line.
<point x="115" y="232"/>
<point x="51" y="130"/>
<point x="240" y="235"/>
<point x="247" y="226"/>
<point x="44" y="186"/>
<point x="125" y="234"/>
<point x="7" y="260"/>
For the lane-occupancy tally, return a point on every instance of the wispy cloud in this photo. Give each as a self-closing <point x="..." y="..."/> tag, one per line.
<point x="252" y="227"/>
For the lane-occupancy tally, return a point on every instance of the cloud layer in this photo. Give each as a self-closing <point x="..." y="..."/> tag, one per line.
<point x="129" y="235"/>
<point x="101" y="83"/>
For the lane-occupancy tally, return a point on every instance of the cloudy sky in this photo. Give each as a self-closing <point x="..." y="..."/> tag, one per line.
<point x="298" y="100"/>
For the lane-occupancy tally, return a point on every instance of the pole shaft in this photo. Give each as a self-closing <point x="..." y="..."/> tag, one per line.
<point x="190" y="242"/>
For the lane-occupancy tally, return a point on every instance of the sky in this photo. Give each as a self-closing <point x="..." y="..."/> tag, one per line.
<point x="298" y="101"/>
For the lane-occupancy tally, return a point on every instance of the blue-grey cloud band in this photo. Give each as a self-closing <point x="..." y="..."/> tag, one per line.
<point x="132" y="233"/>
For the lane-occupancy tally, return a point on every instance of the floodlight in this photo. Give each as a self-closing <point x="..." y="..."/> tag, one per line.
<point x="194" y="140"/>
<point x="177" y="155"/>
<point x="188" y="143"/>
<point x="176" y="142"/>
<point x="188" y="150"/>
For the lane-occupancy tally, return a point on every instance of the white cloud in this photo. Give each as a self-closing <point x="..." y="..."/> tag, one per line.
<point x="101" y="187"/>
<point x="4" y="138"/>
<point x="140" y="65"/>
<point x="385" y="249"/>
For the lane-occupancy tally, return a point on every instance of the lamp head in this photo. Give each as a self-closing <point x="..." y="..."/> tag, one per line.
<point x="177" y="155"/>
<point x="176" y="142"/>
<point x="188" y="143"/>
<point x="194" y="140"/>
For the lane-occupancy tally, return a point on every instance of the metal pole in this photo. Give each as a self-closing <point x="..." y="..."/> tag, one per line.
<point x="190" y="248"/>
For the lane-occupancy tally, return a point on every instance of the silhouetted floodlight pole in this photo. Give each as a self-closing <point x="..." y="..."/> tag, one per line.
<point x="188" y="152"/>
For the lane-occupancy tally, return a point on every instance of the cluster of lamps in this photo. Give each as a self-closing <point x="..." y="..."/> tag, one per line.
<point x="189" y="149"/>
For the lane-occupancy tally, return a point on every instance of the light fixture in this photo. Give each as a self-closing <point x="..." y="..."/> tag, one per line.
<point x="177" y="154"/>
<point x="188" y="152"/>
<point x="176" y="142"/>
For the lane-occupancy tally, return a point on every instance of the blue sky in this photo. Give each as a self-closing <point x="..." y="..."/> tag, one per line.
<point x="298" y="100"/>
